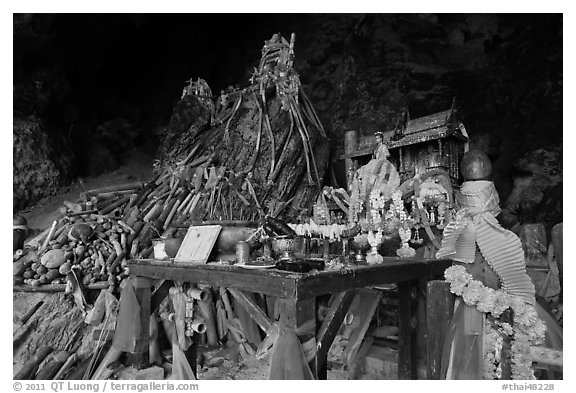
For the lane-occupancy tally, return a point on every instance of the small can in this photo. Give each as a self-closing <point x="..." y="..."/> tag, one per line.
<point x="242" y="252"/>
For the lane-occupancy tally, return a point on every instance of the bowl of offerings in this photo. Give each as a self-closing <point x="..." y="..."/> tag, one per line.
<point x="360" y="246"/>
<point x="284" y="246"/>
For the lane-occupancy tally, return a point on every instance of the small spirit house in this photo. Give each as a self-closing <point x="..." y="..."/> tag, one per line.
<point x="437" y="141"/>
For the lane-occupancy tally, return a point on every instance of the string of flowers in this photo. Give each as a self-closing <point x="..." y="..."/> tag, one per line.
<point x="527" y="328"/>
<point x="493" y="342"/>
<point x="397" y="217"/>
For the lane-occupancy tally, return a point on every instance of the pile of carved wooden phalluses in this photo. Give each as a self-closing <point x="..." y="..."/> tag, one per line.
<point x="91" y="239"/>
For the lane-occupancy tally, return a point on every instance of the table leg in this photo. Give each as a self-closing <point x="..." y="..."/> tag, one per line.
<point x="329" y="329"/>
<point x="270" y="303"/>
<point x="248" y="303"/>
<point x="159" y="294"/>
<point x="140" y="357"/>
<point x="407" y="325"/>
<point x="299" y="314"/>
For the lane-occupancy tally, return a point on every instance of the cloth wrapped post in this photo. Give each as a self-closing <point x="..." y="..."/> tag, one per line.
<point x="495" y="259"/>
<point x="290" y="357"/>
<point x="476" y="225"/>
<point x="464" y="353"/>
<point x="181" y="369"/>
<point x="128" y="326"/>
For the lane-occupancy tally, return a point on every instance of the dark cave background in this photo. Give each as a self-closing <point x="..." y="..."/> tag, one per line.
<point x="90" y="88"/>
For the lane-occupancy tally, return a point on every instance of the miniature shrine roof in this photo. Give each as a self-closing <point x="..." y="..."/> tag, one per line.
<point x="428" y="128"/>
<point x="436" y="126"/>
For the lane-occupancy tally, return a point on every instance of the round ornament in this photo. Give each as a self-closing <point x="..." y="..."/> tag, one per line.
<point x="475" y="165"/>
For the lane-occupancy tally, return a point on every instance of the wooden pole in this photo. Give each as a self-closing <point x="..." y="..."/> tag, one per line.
<point x="24" y="318"/>
<point x="80" y="369"/>
<point x="350" y="146"/>
<point x="329" y="328"/>
<point x="226" y="302"/>
<point x="179" y="303"/>
<point x="115" y="188"/>
<point x="167" y="209"/>
<point x="116" y="204"/>
<point x="207" y="312"/>
<point x="557" y="235"/>
<point x="103" y="372"/>
<point x="407" y="327"/>
<point x="255" y="312"/>
<point x="49" y="236"/>
<point x="56" y="287"/>
<point x="67" y="366"/>
<point x="247" y="314"/>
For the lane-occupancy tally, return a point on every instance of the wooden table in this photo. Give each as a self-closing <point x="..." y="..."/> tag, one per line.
<point x="298" y="292"/>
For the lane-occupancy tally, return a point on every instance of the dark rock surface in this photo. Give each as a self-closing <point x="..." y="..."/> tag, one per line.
<point x="361" y="71"/>
<point x="38" y="168"/>
<point x="505" y="72"/>
<point x="537" y="192"/>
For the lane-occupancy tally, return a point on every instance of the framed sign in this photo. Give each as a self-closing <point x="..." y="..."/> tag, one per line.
<point x="197" y="244"/>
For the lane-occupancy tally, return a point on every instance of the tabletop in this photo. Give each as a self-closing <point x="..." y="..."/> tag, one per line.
<point x="285" y="284"/>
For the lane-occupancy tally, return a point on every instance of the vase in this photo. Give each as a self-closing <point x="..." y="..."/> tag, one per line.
<point x="361" y="246"/>
<point x="172" y="245"/>
<point x="374" y="239"/>
<point x="230" y="235"/>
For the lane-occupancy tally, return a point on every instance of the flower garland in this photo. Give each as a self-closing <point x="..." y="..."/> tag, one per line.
<point x="493" y="342"/>
<point x="527" y="329"/>
<point x="356" y="205"/>
<point x="374" y="239"/>
<point x="398" y="217"/>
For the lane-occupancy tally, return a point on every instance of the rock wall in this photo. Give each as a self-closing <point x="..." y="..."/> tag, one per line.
<point x="361" y="72"/>
<point x="38" y="168"/>
<point x="536" y="196"/>
<point x="505" y="72"/>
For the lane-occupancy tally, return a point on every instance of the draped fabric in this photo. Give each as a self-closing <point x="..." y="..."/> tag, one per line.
<point x="379" y="176"/>
<point x="181" y="369"/>
<point x="388" y="179"/>
<point x="476" y="225"/>
<point x="128" y="327"/>
<point x="554" y="339"/>
<point x="290" y="357"/>
<point x="463" y="354"/>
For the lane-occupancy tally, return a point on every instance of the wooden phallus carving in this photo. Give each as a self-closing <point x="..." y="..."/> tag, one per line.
<point x="264" y="148"/>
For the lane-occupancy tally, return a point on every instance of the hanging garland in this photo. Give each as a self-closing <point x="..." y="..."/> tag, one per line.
<point x="527" y="329"/>
<point x="404" y="224"/>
